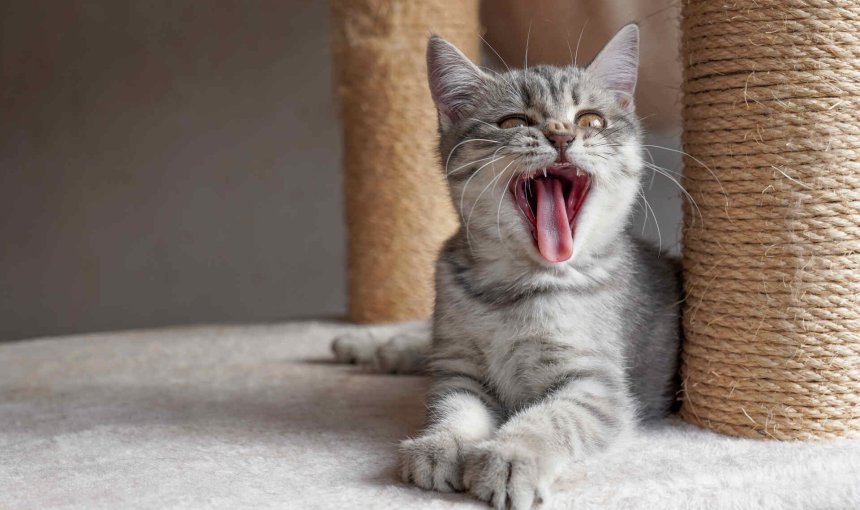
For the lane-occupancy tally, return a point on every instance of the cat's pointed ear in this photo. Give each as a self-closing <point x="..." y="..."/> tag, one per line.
<point x="617" y="64"/>
<point x="454" y="79"/>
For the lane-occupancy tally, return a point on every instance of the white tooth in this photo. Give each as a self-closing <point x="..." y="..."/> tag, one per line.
<point x="578" y="172"/>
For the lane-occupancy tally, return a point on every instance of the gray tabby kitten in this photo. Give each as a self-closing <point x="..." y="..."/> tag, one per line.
<point x="554" y="330"/>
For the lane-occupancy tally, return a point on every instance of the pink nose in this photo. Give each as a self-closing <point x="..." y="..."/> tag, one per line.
<point x="560" y="140"/>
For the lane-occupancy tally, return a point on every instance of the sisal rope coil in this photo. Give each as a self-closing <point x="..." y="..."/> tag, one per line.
<point x="772" y="230"/>
<point x="398" y="212"/>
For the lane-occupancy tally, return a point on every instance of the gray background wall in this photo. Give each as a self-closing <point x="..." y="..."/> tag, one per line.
<point x="174" y="162"/>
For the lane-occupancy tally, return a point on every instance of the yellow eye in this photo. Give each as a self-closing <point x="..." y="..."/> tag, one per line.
<point x="591" y="120"/>
<point x="512" y="122"/>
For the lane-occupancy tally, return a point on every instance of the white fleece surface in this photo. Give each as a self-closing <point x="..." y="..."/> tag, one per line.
<point x="258" y="417"/>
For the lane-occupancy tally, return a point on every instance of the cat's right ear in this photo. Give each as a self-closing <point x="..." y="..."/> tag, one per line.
<point x="454" y="80"/>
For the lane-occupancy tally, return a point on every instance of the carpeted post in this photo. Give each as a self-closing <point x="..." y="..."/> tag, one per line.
<point x="397" y="208"/>
<point x="772" y="233"/>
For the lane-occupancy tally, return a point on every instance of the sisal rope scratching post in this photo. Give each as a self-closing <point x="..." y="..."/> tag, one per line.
<point x="772" y="264"/>
<point x="397" y="208"/>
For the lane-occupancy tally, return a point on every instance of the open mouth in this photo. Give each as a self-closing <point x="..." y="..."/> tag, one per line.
<point x="550" y="200"/>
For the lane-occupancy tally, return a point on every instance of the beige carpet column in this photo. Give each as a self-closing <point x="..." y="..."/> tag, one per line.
<point x="772" y="242"/>
<point x="397" y="208"/>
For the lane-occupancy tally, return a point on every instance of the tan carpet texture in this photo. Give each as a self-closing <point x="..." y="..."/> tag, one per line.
<point x="259" y="417"/>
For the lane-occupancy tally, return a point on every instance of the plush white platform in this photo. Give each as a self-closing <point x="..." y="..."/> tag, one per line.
<point x="259" y="417"/>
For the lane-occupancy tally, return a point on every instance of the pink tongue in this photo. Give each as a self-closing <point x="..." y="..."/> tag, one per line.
<point x="554" y="238"/>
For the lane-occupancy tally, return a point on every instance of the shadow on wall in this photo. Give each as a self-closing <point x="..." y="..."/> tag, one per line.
<point x="175" y="162"/>
<point x="166" y="162"/>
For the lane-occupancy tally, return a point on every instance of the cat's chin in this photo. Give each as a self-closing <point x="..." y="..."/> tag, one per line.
<point x="550" y="200"/>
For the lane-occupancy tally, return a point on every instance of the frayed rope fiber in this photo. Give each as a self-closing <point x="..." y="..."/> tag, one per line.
<point x="398" y="212"/>
<point x="772" y="233"/>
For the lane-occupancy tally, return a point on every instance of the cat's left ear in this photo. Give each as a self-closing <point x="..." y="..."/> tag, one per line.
<point x="617" y="64"/>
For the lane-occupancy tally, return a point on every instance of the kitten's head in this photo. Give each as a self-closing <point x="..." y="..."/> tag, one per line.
<point x="543" y="162"/>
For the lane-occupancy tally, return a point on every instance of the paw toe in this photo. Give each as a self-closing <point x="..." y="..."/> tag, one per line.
<point x="432" y="462"/>
<point x="504" y="478"/>
<point x="385" y="359"/>
<point x="343" y="350"/>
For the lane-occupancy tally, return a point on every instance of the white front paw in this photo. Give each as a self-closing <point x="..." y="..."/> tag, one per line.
<point x="506" y="475"/>
<point x="356" y="347"/>
<point x="433" y="461"/>
<point x="388" y="348"/>
<point x="402" y="354"/>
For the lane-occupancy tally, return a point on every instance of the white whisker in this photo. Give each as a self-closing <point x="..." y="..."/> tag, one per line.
<point x="569" y="49"/>
<point x="651" y="157"/>
<point x="656" y="224"/>
<point x="576" y="55"/>
<point x="448" y="174"/>
<point x="466" y="185"/>
<point x="697" y="160"/>
<point x="448" y="160"/>
<point x="478" y="199"/>
<point x="499" y="209"/>
<point x="678" y="184"/>
<point x="496" y="52"/>
<point x="528" y="36"/>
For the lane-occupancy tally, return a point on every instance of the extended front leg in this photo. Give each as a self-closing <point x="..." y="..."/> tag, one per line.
<point x="460" y="414"/>
<point x="583" y="411"/>
<point x="399" y="348"/>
